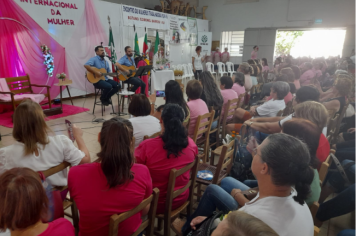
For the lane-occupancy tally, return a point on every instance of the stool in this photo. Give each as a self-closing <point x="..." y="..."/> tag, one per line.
<point x="99" y="102"/>
<point x="121" y="101"/>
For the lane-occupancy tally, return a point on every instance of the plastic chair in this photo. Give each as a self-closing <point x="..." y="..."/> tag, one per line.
<point x="230" y="68"/>
<point x="221" y="69"/>
<point x="190" y="69"/>
<point x="186" y="74"/>
<point x="179" y="67"/>
<point x="174" y="67"/>
<point x="210" y="68"/>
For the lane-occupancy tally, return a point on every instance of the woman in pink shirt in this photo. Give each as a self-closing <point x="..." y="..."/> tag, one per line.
<point x="217" y="56"/>
<point x="239" y="82"/>
<point x="225" y="56"/>
<point x="172" y="150"/>
<point x="308" y="74"/>
<point x="196" y="106"/>
<point x="227" y="93"/>
<point x="254" y="52"/>
<point x="24" y="205"/>
<point x="111" y="185"/>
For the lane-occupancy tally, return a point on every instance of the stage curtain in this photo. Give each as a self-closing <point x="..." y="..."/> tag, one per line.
<point x="20" y="51"/>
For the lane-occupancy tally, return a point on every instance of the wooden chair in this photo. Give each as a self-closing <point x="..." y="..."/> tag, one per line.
<point x="67" y="202"/>
<point x="170" y="215"/>
<point x="316" y="231"/>
<point x="203" y="128"/>
<point x="324" y="167"/>
<point x="229" y="110"/>
<point x="216" y="131"/>
<point x="19" y="85"/>
<point x="241" y="100"/>
<point x="221" y="170"/>
<point x="288" y="109"/>
<point x="152" y="136"/>
<point x="186" y="123"/>
<point x="200" y="13"/>
<point x="147" y="224"/>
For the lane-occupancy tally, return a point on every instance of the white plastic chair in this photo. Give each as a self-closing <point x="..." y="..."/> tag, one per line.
<point x="179" y="67"/>
<point x="210" y="68"/>
<point x="230" y="68"/>
<point x="174" y="67"/>
<point x="190" y="70"/>
<point x="186" y="75"/>
<point x="221" y="69"/>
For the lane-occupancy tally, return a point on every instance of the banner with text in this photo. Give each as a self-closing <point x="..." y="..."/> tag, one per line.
<point x="173" y="29"/>
<point x="204" y="40"/>
<point x="193" y="31"/>
<point x="183" y="29"/>
<point x="144" y="18"/>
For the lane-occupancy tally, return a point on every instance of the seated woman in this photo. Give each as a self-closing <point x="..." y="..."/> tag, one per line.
<point x="197" y="107"/>
<point x="36" y="150"/>
<point x="246" y="69"/>
<point x="307" y="74"/>
<point x="239" y="82"/>
<point x="227" y="93"/>
<point x="268" y="109"/>
<point x="340" y="90"/>
<point x="26" y="202"/>
<point x="254" y="74"/>
<point x="143" y="123"/>
<point x="172" y="150"/>
<point x="211" y="94"/>
<point x="174" y="95"/>
<point x="112" y="185"/>
<point x="296" y="72"/>
<point x="281" y="167"/>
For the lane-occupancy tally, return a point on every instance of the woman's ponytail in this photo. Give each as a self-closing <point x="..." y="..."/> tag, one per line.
<point x="303" y="180"/>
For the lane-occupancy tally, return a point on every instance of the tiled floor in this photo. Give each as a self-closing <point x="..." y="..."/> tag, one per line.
<point x="91" y="130"/>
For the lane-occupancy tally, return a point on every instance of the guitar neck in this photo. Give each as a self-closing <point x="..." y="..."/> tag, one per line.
<point x="110" y="74"/>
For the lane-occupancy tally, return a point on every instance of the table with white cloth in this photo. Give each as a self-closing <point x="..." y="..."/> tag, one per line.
<point x="159" y="78"/>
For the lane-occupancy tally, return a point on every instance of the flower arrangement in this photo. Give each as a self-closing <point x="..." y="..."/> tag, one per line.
<point x="178" y="73"/>
<point x="48" y="59"/>
<point x="61" y="76"/>
<point x="229" y="138"/>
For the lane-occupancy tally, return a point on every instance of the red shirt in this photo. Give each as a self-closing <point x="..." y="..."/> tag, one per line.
<point x="97" y="203"/>
<point x="59" y="227"/>
<point x="323" y="150"/>
<point x="151" y="153"/>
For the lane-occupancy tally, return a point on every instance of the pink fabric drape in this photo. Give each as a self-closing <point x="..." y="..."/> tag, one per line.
<point x="88" y="34"/>
<point x="20" y="51"/>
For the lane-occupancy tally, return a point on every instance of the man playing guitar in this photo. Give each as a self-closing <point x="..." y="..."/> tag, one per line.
<point x="110" y="87"/>
<point x="128" y="60"/>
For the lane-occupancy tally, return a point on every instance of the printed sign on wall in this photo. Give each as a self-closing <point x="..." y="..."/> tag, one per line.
<point x="204" y="40"/>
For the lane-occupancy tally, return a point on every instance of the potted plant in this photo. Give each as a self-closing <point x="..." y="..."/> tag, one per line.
<point x="178" y="77"/>
<point x="61" y="76"/>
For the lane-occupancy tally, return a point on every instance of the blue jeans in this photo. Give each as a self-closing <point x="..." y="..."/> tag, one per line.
<point x="336" y="180"/>
<point x="136" y="82"/>
<point x="347" y="232"/>
<point x="214" y="125"/>
<point x="109" y="87"/>
<point x="217" y="197"/>
<point x="342" y="204"/>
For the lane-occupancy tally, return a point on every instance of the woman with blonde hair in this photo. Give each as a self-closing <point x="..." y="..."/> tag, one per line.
<point x="36" y="150"/>
<point x="316" y="113"/>
<point x="246" y="69"/>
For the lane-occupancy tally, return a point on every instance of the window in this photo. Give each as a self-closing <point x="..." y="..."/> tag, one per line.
<point x="234" y="41"/>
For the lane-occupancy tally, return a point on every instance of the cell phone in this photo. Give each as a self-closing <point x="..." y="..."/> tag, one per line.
<point x="70" y="130"/>
<point x="160" y="94"/>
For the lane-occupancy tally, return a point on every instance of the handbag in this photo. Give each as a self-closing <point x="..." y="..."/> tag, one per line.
<point x="55" y="203"/>
<point x="206" y="227"/>
<point x="341" y="169"/>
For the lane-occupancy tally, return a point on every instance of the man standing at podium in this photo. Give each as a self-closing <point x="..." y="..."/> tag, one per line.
<point x="128" y="60"/>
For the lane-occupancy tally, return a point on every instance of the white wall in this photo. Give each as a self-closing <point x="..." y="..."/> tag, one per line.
<point x="274" y="13"/>
<point x="137" y="3"/>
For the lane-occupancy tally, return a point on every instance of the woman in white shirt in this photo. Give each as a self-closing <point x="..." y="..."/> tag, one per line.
<point x="281" y="167"/>
<point x="197" y="61"/>
<point x="36" y="150"/>
<point x="143" y="123"/>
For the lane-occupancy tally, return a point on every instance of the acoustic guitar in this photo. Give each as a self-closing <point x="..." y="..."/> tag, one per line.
<point x="123" y="76"/>
<point x="93" y="78"/>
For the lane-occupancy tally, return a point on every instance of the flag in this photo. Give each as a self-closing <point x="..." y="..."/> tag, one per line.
<point x="145" y="45"/>
<point x="137" y="48"/>
<point x="157" y="43"/>
<point x="112" y="47"/>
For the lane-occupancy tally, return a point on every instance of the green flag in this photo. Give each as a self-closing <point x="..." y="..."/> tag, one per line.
<point x="137" y="48"/>
<point x="157" y="43"/>
<point x="112" y="46"/>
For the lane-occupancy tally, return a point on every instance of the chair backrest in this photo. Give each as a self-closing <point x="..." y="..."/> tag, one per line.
<point x="186" y="123"/>
<point x="203" y="127"/>
<point x="324" y="168"/>
<point x="288" y="109"/>
<point x="174" y="67"/>
<point x="210" y="67"/>
<point x="190" y="69"/>
<point x="225" y="160"/>
<point x="230" y="66"/>
<point x="229" y="109"/>
<point x="241" y="99"/>
<point x="55" y="169"/>
<point x="20" y="84"/>
<point x="217" y="129"/>
<point x="152" y="136"/>
<point x="172" y="194"/>
<point x="179" y="67"/>
<point x="147" y="224"/>
<point x="221" y="67"/>
<point x="185" y="70"/>
<point x="175" y="7"/>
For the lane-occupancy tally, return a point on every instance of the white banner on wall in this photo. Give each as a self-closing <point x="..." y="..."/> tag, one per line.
<point x="193" y="31"/>
<point x="144" y="18"/>
<point x="183" y="29"/>
<point x="204" y="40"/>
